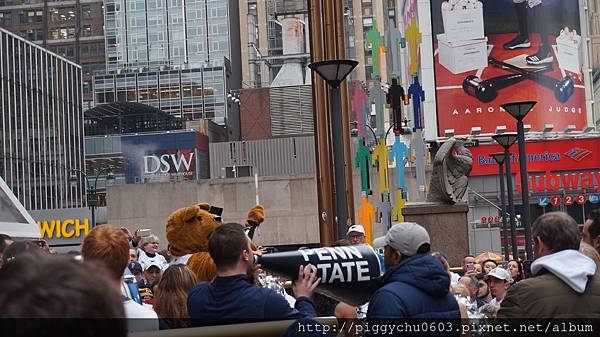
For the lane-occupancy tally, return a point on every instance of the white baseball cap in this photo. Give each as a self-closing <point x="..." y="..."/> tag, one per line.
<point x="406" y="237"/>
<point x="152" y="263"/>
<point x="500" y="273"/>
<point x="356" y="228"/>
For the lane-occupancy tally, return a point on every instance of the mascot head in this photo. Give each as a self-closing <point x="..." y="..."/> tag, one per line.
<point x="188" y="229"/>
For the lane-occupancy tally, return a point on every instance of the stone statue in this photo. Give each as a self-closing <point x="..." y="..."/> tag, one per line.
<point x="450" y="176"/>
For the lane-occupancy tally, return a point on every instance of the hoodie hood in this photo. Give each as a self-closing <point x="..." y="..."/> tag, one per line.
<point x="570" y="266"/>
<point x="424" y="272"/>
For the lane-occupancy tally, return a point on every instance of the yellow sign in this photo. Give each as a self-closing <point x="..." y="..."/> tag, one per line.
<point x="66" y="228"/>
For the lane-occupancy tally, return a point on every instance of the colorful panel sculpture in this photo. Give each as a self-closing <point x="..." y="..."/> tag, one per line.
<point x="366" y="216"/>
<point x="363" y="161"/>
<point x="375" y="43"/>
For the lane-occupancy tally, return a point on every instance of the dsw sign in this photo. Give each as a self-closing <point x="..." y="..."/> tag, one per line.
<point x="164" y="163"/>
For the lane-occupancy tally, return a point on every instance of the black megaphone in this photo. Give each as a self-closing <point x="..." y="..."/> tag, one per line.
<point x="348" y="274"/>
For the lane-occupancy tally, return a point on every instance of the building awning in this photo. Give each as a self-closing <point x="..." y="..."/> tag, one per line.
<point x="128" y="117"/>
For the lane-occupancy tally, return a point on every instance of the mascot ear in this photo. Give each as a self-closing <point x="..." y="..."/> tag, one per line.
<point x="204" y="206"/>
<point x="190" y="213"/>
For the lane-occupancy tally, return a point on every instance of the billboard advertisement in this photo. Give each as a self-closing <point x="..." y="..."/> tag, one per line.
<point x="165" y="157"/>
<point x="593" y="25"/>
<point x="487" y="53"/>
<point x="168" y="165"/>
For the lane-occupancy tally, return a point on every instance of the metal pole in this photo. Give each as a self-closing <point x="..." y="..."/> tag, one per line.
<point x="503" y="202"/>
<point x="338" y="162"/>
<point x="340" y="42"/>
<point x="93" y="216"/>
<point x="327" y="229"/>
<point x="526" y="219"/>
<point x="511" y="205"/>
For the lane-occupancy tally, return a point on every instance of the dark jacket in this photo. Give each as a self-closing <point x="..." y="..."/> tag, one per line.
<point x="234" y="299"/>
<point x="546" y="296"/>
<point x="418" y="288"/>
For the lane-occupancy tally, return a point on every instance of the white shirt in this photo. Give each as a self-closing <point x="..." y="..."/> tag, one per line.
<point x="146" y="260"/>
<point x="134" y="312"/>
<point x="495" y="302"/>
<point x="180" y="259"/>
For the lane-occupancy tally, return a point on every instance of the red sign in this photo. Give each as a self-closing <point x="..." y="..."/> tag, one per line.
<point x="569" y="200"/>
<point x="520" y="241"/>
<point x="555" y="200"/>
<point x="581" y="199"/>
<point x="550" y="164"/>
<point x="557" y="155"/>
<point x="491" y="219"/>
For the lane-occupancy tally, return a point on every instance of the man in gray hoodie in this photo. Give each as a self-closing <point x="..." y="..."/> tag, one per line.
<point x="564" y="284"/>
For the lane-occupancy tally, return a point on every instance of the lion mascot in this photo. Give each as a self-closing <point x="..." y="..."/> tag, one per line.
<point x="188" y="229"/>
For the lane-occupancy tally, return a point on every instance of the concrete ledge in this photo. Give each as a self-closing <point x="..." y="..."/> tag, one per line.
<point x="419" y="208"/>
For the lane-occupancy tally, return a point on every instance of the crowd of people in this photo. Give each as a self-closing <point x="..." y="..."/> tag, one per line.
<point x="124" y="277"/>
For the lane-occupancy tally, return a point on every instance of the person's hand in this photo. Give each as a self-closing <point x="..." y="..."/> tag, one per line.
<point x="307" y="281"/>
<point x="127" y="232"/>
<point x="136" y="238"/>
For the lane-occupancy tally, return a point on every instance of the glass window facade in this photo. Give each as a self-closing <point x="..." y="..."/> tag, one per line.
<point x="165" y="34"/>
<point x="42" y="125"/>
<point x="189" y="94"/>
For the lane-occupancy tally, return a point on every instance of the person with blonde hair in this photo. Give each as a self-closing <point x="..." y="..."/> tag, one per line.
<point x="170" y="299"/>
<point x="148" y="252"/>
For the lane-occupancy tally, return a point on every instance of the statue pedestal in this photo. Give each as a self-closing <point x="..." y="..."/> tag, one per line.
<point x="447" y="225"/>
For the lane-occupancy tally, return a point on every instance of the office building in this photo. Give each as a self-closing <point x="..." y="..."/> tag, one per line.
<point x="186" y="93"/>
<point x="181" y="57"/>
<point x="42" y="125"/>
<point x="71" y="29"/>
<point x="275" y="43"/>
<point x="263" y="37"/>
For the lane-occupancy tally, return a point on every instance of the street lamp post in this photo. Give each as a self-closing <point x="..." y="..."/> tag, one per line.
<point x="506" y="140"/>
<point x="334" y="72"/>
<point x="499" y="159"/>
<point x="92" y="190"/>
<point x="519" y="110"/>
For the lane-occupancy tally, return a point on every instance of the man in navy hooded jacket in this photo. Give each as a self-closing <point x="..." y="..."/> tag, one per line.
<point x="415" y="287"/>
<point x="232" y="297"/>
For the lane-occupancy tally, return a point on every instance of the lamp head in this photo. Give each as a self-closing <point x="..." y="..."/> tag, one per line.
<point x="518" y="109"/>
<point x="506" y="140"/>
<point x="498" y="157"/>
<point x="333" y="71"/>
